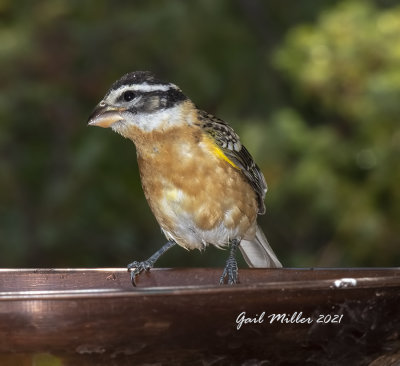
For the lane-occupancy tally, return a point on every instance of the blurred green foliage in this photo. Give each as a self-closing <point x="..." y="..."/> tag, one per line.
<point x="313" y="89"/>
<point x="346" y="68"/>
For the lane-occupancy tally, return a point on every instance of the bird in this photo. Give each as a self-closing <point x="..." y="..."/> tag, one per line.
<point x="200" y="181"/>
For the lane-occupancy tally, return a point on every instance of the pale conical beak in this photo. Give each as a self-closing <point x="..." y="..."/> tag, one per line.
<point x="105" y="115"/>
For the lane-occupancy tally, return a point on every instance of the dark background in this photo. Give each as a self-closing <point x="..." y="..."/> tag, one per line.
<point x="312" y="87"/>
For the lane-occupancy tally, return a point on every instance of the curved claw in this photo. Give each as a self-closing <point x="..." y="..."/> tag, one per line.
<point x="230" y="272"/>
<point x="135" y="268"/>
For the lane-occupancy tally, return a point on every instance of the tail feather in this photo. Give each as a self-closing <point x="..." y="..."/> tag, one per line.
<point x="258" y="253"/>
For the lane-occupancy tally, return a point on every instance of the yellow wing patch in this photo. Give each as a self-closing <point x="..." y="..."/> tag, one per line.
<point x="217" y="151"/>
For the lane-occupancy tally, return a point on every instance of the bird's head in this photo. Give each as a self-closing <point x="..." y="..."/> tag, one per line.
<point x="137" y="99"/>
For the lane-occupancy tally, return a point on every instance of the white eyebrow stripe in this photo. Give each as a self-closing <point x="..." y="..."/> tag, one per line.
<point x="148" y="87"/>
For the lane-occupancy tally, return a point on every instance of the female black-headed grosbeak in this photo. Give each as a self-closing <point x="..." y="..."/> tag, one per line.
<point x="201" y="183"/>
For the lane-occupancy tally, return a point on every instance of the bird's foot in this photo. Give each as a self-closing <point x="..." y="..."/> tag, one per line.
<point x="135" y="268"/>
<point x="230" y="272"/>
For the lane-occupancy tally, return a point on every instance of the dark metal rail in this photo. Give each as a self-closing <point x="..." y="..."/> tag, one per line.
<point x="182" y="316"/>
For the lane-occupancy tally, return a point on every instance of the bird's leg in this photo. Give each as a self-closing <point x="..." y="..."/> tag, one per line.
<point x="135" y="268"/>
<point x="231" y="268"/>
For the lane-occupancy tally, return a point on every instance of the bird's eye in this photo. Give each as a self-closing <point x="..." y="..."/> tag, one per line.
<point x="128" y="95"/>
